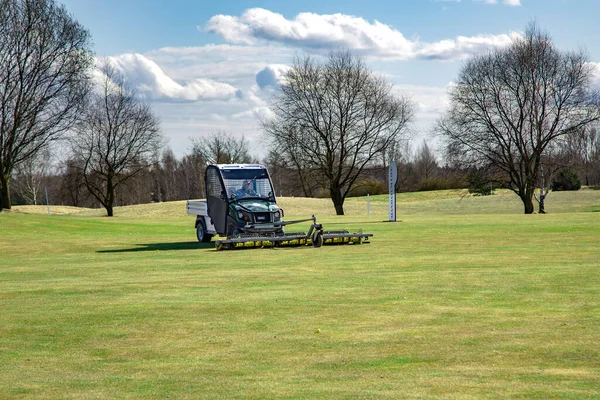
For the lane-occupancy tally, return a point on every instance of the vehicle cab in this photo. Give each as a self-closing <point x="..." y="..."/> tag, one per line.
<point x="241" y="199"/>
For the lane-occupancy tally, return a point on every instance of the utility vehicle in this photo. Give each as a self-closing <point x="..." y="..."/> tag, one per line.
<point x="241" y="206"/>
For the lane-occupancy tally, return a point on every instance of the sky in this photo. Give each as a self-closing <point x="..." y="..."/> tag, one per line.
<point x="212" y="66"/>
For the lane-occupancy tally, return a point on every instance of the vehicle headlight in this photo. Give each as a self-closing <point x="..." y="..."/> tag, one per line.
<point x="243" y="216"/>
<point x="277" y="215"/>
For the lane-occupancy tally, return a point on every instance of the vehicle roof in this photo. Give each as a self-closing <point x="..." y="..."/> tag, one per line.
<point x="238" y="166"/>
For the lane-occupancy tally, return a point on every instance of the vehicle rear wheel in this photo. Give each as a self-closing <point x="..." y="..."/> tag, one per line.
<point x="201" y="234"/>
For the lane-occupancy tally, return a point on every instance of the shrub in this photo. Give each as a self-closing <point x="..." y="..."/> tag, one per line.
<point x="479" y="184"/>
<point x="565" y="180"/>
<point x="433" y="184"/>
<point x="368" y="186"/>
<point x="322" y="193"/>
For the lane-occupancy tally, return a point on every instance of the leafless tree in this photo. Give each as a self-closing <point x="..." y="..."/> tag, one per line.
<point x="333" y="118"/>
<point x="222" y="148"/>
<point x="396" y="150"/>
<point x="306" y="175"/>
<point x="44" y="77"/>
<point x="165" y="177"/>
<point x="550" y="163"/>
<point x="192" y="176"/>
<point x="582" y="147"/>
<point x="72" y="190"/>
<point x="509" y="106"/>
<point x="30" y="174"/>
<point x="286" y="180"/>
<point x="425" y="161"/>
<point x="116" y="138"/>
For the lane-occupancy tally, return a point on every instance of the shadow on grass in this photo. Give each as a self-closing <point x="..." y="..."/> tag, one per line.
<point x="163" y="247"/>
<point x="352" y="224"/>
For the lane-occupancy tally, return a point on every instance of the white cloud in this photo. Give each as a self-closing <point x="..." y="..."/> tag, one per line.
<point x="150" y="81"/>
<point x="463" y="46"/>
<point x="196" y="90"/>
<point x="241" y="116"/>
<point x="256" y="113"/>
<point x="325" y="32"/>
<point x="232" y="64"/>
<point x="595" y="80"/>
<point x="272" y="75"/>
<point x="307" y="30"/>
<point x="181" y="122"/>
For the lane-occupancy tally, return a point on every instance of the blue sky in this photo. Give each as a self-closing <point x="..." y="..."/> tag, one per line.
<point x="207" y="66"/>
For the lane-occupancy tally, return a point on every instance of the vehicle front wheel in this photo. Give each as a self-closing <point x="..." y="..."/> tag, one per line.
<point x="201" y="234"/>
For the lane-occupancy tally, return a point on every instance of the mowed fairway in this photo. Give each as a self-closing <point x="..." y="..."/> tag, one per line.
<point x="465" y="298"/>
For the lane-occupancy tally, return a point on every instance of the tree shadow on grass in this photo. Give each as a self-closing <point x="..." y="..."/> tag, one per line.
<point x="162" y="247"/>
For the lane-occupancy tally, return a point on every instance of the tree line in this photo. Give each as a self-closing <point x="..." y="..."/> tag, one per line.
<point x="518" y="116"/>
<point x="170" y="178"/>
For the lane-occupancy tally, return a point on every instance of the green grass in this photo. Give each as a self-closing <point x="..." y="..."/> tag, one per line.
<point x="465" y="298"/>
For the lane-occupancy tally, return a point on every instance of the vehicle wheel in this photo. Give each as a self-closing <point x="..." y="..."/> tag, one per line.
<point x="230" y="230"/>
<point x="317" y="239"/>
<point x="201" y="233"/>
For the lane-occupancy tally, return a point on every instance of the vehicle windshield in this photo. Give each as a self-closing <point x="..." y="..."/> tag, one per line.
<point x="247" y="183"/>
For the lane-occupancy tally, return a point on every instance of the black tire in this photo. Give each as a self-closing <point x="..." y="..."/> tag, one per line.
<point x="231" y="230"/>
<point x="201" y="234"/>
<point x="317" y="239"/>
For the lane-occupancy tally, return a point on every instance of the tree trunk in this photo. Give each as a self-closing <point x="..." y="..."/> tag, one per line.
<point x="527" y="199"/>
<point x="541" y="201"/>
<point x="110" y="196"/>
<point x="338" y="200"/>
<point x="4" y="192"/>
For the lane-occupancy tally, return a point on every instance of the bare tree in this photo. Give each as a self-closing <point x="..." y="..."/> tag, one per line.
<point x="72" y="188"/>
<point x="395" y="151"/>
<point x="425" y="161"/>
<point x="44" y="74"/>
<point x="509" y="106"/>
<point x="116" y="138"/>
<point x="164" y="177"/>
<point x="582" y="147"/>
<point x="29" y="175"/>
<point x="332" y="119"/>
<point x="307" y="175"/>
<point x="285" y="177"/>
<point x="222" y="148"/>
<point x="192" y="176"/>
